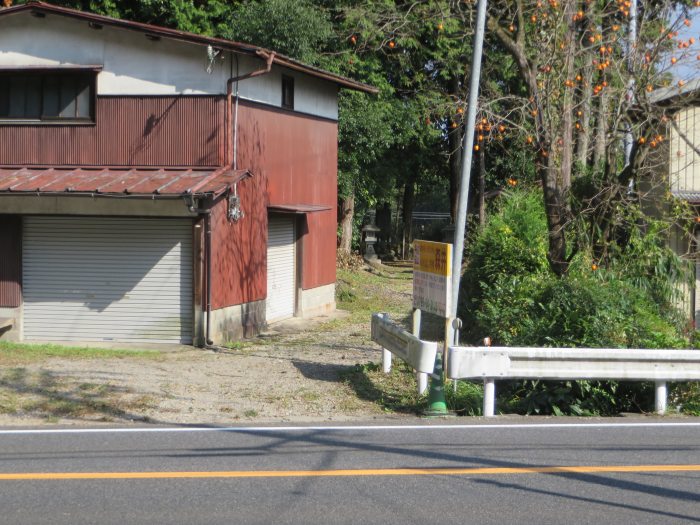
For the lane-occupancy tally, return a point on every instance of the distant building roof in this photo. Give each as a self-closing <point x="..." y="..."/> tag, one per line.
<point x="690" y="196"/>
<point x="691" y="87"/>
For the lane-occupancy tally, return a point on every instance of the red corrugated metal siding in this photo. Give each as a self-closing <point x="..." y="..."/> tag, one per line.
<point x="293" y="159"/>
<point x="10" y="261"/>
<point x="129" y="131"/>
<point x="298" y="157"/>
<point x="239" y="249"/>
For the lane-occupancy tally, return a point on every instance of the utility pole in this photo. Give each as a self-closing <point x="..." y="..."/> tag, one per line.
<point x="467" y="149"/>
<point x="631" y="50"/>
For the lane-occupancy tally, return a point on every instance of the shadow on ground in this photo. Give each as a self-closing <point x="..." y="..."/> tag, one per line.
<point x="47" y="395"/>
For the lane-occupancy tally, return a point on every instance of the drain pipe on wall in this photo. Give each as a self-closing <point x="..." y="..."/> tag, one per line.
<point x="231" y="146"/>
<point x="230" y="159"/>
<point x="207" y="255"/>
<point x="203" y="211"/>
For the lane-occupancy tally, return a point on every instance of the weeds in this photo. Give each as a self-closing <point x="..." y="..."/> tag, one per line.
<point x="16" y="353"/>
<point x="42" y="394"/>
<point x="393" y="392"/>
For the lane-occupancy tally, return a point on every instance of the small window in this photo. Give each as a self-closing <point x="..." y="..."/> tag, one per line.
<point x="47" y="96"/>
<point x="287" y="92"/>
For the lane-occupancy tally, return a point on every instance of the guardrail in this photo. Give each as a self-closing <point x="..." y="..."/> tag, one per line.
<point x="393" y="338"/>
<point x="491" y="363"/>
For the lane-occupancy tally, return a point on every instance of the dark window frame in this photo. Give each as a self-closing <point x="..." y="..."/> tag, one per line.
<point x="288" y="92"/>
<point x="74" y="81"/>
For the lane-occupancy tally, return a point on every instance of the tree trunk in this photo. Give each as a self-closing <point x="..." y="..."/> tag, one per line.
<point x="347" y="213"/>
<point x="601" y="143"/>
<point x="567" y="126"/>
<point x="555" y="180"/>
<point x="482" y="187"/>
<point x="409" y="200"/>
<point x="555" y="202"/>
<point x="582" y="139"/>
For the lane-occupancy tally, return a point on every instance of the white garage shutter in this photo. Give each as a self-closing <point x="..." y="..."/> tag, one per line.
<point x="107" y="279"/>
<point x="281" y="270"/>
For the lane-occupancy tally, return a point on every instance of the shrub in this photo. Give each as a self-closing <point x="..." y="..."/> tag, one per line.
<point x="509" y="294"/>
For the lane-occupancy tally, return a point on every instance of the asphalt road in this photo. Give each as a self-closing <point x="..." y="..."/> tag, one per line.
<point x="639" y="472"/>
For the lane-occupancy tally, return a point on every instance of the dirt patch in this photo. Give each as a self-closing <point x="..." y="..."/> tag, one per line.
<point x="295" y="372"/>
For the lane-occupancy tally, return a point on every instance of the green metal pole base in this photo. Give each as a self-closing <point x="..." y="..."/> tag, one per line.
<point x="437" y="407"/>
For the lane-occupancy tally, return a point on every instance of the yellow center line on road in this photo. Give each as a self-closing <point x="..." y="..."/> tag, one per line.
<point x="43" y="476"/>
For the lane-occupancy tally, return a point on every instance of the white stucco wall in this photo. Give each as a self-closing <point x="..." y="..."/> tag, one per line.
<point x="684" y="161"/>
<point x="134" y="65"/>
<point x="310" y="95"/>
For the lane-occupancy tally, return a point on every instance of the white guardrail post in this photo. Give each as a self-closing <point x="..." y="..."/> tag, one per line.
<point x="421" y="377"/>
<point x="492" y="363"/>
<point x="386" y="361"/>
<point x="660" y="397"/>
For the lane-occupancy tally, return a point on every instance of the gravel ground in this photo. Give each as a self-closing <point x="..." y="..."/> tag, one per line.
<point x="290" y="374"/>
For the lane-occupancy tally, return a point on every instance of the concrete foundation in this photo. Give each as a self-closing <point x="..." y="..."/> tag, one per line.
<point x="317" y="301"/>
<point x="14" y="332"/>
<point x="237" y="322"/>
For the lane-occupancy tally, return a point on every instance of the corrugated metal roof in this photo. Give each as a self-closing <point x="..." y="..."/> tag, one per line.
<point x="667" y="93"/>
<point x="690" y="196"/>
<point x="135" y="182"/>
<point x="157" y="31"/>
<point x="298" y="208"/>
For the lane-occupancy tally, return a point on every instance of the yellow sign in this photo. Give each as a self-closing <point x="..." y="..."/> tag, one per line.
<point x="432" y="272"/>
<point x="432" y="257"/>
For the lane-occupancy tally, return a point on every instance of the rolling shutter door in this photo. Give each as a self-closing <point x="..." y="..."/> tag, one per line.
<point x="107" y="279"/>
<point x="281" y="269"/>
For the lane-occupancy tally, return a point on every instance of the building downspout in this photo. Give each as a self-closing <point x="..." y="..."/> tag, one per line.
<point x="231" y="134"/>
<point x="207" y="272"/>
<point x="230" y="157"/>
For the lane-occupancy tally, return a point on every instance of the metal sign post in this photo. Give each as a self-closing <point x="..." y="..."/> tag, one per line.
<point x="432" y="292"/>
<point x="467" y="145"/>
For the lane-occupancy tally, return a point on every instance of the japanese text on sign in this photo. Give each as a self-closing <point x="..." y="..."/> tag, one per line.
<point x="432" y="271"/>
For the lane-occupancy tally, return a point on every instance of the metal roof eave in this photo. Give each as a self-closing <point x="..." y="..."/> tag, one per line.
<point x="124" y="182"/>
<point x="298" y="208"/>
<point x="238" y="47"/>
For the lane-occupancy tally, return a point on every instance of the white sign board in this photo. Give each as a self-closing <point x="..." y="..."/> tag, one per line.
<point x="432" y="277"/>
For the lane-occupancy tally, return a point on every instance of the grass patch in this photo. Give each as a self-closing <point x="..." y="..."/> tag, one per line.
<point x="12" y="353"/>
<point x="398" y="390"/>
<point x="466" y="400"/>
<point x="43" y="394"/>
<point x="393" y="392"/>
<point x="237" y="345"/>
<point x="685" y="397"/>
<point x="364" y="292"/>
<point x="9" y="402"/>
<point x="308" y="396"/>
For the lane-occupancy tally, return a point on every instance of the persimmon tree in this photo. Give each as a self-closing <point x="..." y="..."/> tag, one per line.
<point x="585" y="85"/>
